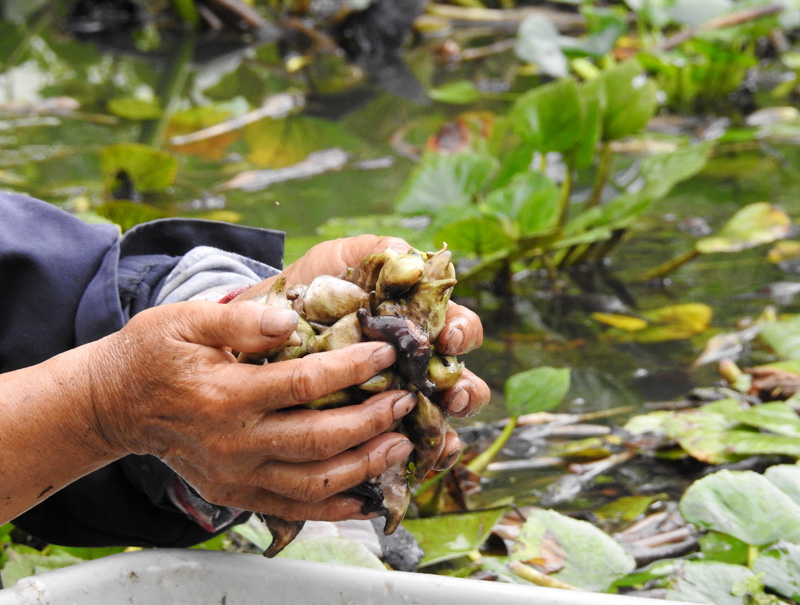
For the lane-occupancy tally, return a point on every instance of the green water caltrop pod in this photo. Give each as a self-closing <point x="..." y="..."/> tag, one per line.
<point x="398" y="298"/>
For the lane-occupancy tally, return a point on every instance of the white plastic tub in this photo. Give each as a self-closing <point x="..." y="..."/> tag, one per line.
<point x="195" y="577"/>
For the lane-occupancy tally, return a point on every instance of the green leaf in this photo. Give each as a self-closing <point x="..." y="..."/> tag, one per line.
<point x="723" y="548"/>
<point x="132" y="108"/>
<point x="449" y="537"/>
<point x="783" y="337"/>
<point x="776" y="417"/>
<point x="677" y="322"/>
<point x="150" y="169"/>
<point x="530" y="201"/>
<point x="582" y="554"/>
<point x="663" y="171"/>
<point x="539" y="43"/>
<point x="129" y="214"/>
<point x="22" y="565"/>
<point x="708" y="582"/>
<point x="630" y="100"/>
<point x="780" y="565"/>
<point x="536" y="390"/>
<point x="751" y="443"/>
<point x="549" y="117"/>
<point x="787" y="478"/>
<point x="341" y="551"/>
<point x="627" y="508"/>
<point x="744" y="505"/>
<point x="461" y="92"/>
<point x="754" y="225"/>
<point x="476" y="235"/>
<point x="442" y="180"/>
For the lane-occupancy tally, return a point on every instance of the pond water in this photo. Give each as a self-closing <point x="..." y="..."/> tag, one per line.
<point x="57" y="157"/>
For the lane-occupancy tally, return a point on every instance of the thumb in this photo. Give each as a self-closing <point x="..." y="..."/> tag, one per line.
<point x="244" y="326"/>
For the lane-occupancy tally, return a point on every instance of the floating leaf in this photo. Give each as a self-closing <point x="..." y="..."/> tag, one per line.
<point x="441" y="180"/>
<point x="750" y="443"/>
<point x="780" y="565"/>
<point x="584" y="555"/>
<point x="627" y="323"/>
<point x="700" y="431"/>
<point x="536" y="390"/>
<point x="783" y="337"/>
<point x="148" y="168"/>
<point x="132" y="108"/>
<point x="708" y="582"/>
<point x="342" y="551"/>
<point x="449" y="537"/>
<point x="776" y="417"/>
<point x="461" y="92"/>
<point x="744" y="505"/>
<point x="753" y="225"/>
<point x="627" y="508"/>
<point x="675" y="323"/>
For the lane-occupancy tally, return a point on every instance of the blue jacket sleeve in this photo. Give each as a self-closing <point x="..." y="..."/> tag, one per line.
<point x="60" y="280"/>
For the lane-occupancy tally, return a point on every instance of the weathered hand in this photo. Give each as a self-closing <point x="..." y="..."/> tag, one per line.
<point x="167" y="385"/>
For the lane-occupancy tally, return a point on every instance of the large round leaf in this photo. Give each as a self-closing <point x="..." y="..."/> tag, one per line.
<point x="549" y="117"/>
<point x="744" y="505"/>
<point x="536" y="390"/>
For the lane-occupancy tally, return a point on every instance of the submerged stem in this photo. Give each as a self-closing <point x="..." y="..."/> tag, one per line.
<point x="669" y="266"/>
<point x="602" y="177"/>
<point x="480" y="462"/>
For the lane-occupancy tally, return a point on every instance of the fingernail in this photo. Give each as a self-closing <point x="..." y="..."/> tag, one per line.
<point x="450" y="460"/>
<point x="384" y="357"/>
<point x="275" y="322"/>
<point x="399" y="451"/>
<point x="455" y="339"/>
<point x="459" y="401"/>
<point x="403" y="406"/>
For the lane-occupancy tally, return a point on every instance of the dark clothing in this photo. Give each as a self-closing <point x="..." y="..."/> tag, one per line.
<point x="63" y="283"/>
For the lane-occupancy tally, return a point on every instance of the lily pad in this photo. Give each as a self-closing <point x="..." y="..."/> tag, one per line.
<point x="581" y="554"/>
<point x="752" y="443"/>
<point x="776" y="417"/>
<point x="148" y="168"/>
<point x="754" y="225"/>
<point x="449" y="537"/>
<point x="744" y="505"/>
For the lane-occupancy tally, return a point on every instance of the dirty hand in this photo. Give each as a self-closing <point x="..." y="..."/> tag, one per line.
<point x="167" y="385"/>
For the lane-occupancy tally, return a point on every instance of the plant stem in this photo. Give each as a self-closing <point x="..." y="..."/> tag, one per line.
<point x="603" y="170"/>
<point x="563" y="202"/>
<point x="752" y="554"/>
<point x="669" y="266"/>
<point x="478" y="464"/>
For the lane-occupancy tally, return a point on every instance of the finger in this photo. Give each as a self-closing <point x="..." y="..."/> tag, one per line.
<point x="462" y="332"/>
<point x="246" y="327"/>
<point x="318" y="480"/>
<point x="467" y="397"/>
<point x="451" y="451"/>
<point x="303" y="435"/>
<point x="297" y="381"/>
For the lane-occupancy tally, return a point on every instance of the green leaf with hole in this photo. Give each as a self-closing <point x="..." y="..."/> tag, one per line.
<point x="754" y="225"/>
<point x="450" y="537"/>
<point x="442" y="180"/>
<point x="579" y="553"/>
<point x="742" y="504"/>
<point x="536" y="390"/>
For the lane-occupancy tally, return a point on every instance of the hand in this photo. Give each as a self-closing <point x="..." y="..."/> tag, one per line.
<point x="462" y="333"/>
<point x="166" y="385"/>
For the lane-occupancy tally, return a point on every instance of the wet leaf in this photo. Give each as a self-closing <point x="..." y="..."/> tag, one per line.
<point x="442" y="180"/>
<point x="538" y="43"/>
<point x="780" y="565"/>
<point x="536" y="390"/>
<point x="675" y="323"/>
<point x="342" y="551"/>
<point x="708" y="582"/>
<point x="461" y="92"/>
<point x="549" y="117"/>
<point x="449" y="537"/>
<point x="787" y="478"/>
<point x="783" y="337"/>
<point x="586" y="556"/>
<point x="776" y="417"/>
<point x="132" y="108"/>
<point x="148" y="168"/>
<point x="744" y="505"/>
<point x="753" y="225"/>
<point x="700" y="431"/>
